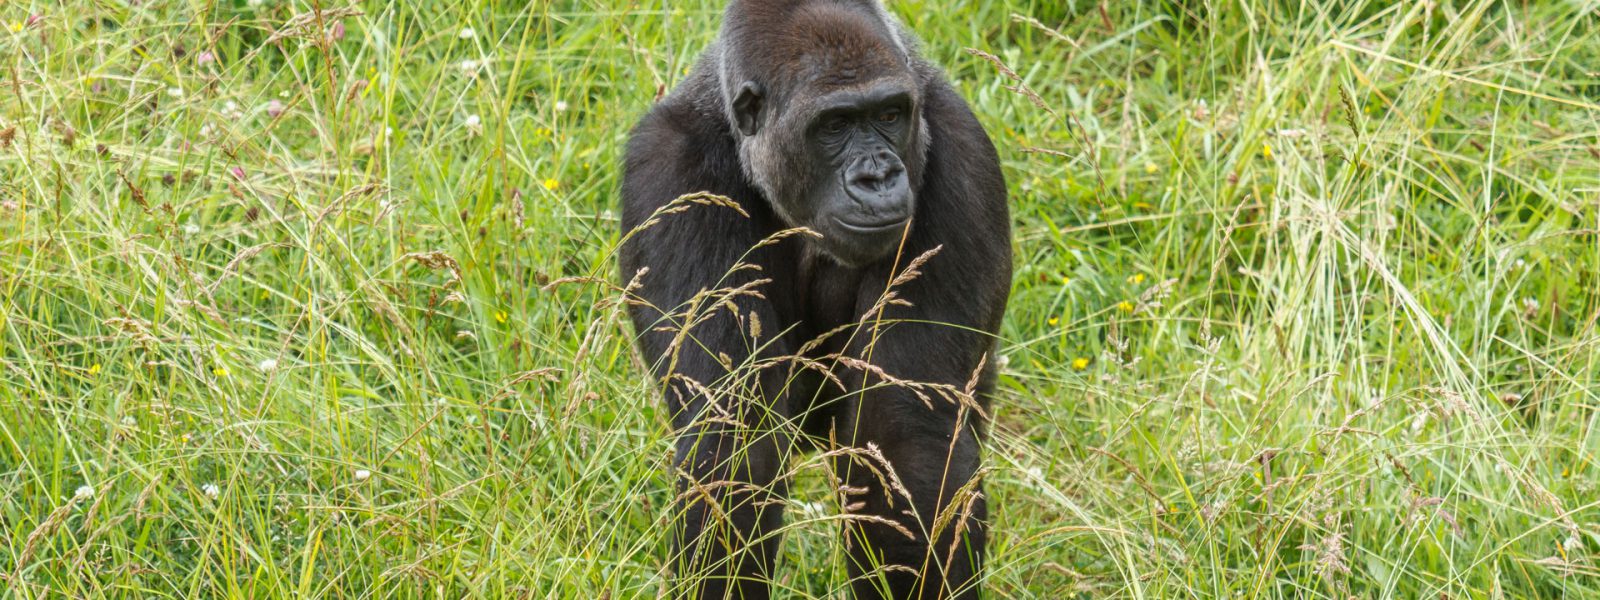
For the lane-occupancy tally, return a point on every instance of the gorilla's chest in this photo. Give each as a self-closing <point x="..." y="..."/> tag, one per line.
<point x="826" y="298"/>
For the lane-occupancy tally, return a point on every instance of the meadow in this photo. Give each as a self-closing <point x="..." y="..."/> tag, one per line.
<point x="312" y="299"/>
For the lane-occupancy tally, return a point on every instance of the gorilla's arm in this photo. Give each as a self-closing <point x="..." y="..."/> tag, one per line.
<point x="941" y="338"/>
<point x="728" y="452"/>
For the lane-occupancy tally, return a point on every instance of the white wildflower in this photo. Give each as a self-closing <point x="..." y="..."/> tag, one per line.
<point x="467" y="33"/>
<point x="1034" y="478"/>
<point x="211" y="490"/>
<point x="267" y="365"/>
<point x="363" y="474"/>
<point x="83" y="492"/>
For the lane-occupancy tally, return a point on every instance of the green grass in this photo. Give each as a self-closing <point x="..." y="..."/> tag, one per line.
<point x="1305" y="306"/>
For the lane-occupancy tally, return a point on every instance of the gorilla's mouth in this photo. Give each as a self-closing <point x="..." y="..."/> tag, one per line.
<point x="872" y="226"/>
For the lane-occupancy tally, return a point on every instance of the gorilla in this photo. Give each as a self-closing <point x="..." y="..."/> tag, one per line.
<point x="819" y="256"/>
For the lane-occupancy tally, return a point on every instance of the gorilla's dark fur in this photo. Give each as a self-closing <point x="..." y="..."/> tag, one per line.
<point x="819" y="114"/>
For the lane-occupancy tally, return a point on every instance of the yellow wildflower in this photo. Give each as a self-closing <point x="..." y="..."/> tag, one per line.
<point x="551" y="184"/>
<point x="501" y="316"/>
<point x="95" y="370"/>
<point x="220" y="372"/>
<point x="1053" y="321"/>
<point x="1136" y="278"/>
<point x="1125" y="306"/>
<point x="1151" y="168"/>
<point x="1080" y="363"/>
<point x="1266" y="151"/>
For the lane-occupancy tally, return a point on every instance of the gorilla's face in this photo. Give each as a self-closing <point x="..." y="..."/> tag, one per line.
<point x="855" y="141"/>
<point x="842" y="163"/>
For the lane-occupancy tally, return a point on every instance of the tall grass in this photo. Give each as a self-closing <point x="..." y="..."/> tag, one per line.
<point x="1305" y="303"/>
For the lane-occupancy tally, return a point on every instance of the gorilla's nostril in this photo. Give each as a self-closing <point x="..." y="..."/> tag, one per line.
<point x="869" y="181"/>
<point x="878" y="178"/>
<point x="875" y="171"/>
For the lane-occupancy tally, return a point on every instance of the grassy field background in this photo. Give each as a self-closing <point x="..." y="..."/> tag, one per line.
<point x="1305" y="306"/>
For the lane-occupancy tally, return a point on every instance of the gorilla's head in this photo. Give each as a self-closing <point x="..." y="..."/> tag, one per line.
<point x="826" y="106"/>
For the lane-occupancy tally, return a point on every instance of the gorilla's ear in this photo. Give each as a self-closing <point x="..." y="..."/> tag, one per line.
<point x="747" y="107"/>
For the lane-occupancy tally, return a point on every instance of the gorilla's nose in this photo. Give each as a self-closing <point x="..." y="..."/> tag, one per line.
<point x="876" y="174"/>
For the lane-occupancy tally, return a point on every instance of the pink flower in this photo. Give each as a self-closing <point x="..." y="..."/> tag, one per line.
<point x="336" y="33"/>
<point x="275" y="108"/>
<point x="34" y="19"/>
<point x="238" y="173"/>
<point x="205" y="58"/>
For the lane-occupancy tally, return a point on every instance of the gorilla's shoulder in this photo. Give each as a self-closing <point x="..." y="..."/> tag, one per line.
<point x="937" y="91"/>
<point x="693" y="109"/>
<point x="683" y="144"/>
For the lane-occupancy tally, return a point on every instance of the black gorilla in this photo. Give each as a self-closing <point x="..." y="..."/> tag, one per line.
<point x="868" y="334"/>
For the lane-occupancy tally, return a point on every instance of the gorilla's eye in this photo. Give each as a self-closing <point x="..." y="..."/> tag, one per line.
<point x="889" y="116"/>
<point x="835" y="125"/>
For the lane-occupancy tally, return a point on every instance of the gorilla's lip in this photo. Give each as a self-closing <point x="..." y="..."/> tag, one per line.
<point x="872" y="227"/>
